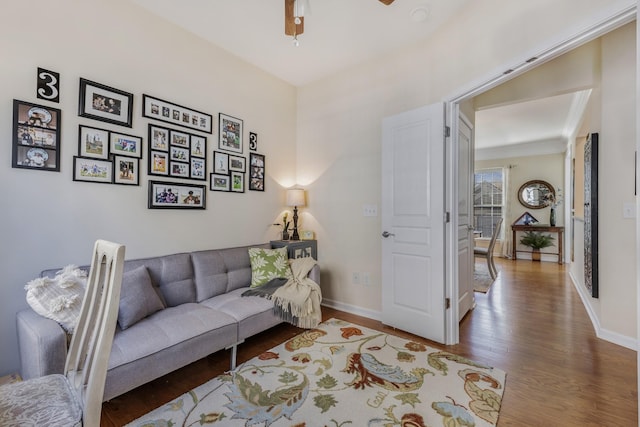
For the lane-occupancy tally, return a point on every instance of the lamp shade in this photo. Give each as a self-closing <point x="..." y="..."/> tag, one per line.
<point x="295" y="197"/>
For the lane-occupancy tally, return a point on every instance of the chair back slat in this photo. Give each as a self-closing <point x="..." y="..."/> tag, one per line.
<point x="88" y="357"/>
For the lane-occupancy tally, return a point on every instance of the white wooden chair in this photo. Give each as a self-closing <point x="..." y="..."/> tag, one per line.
<point x="75" y="397"/>
<point x="488" y="251"/>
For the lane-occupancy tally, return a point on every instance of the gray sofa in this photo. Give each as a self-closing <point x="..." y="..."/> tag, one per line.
<point x="204" y="313"/>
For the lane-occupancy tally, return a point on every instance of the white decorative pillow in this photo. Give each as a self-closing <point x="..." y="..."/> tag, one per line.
<point x="60" y="298"/>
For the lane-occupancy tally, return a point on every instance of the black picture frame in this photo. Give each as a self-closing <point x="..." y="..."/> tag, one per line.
<point x="105" y="103"/>
<point x="122" y="144"/>
<point x="220" y="163"/>
<point x="169" y="112"/>
<point x="218" y="182"/>
<point x="237" y="163"/>
<point x="90" y="169"/>
<point x="177" y="154"/>
<point x="237" y="182"/>
<point x="36" y="136"/>
<point x="126" y="170"/>
<point x="93" y="142"/>
<point x="230" y="133"/>
<point x="256" y="171"/>
<point x="173" y="195"/>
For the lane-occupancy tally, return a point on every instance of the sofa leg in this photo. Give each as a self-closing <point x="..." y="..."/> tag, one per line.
<point x="234" y="354"/>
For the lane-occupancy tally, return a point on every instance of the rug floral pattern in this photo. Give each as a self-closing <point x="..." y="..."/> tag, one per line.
<point x="341" y="374"/>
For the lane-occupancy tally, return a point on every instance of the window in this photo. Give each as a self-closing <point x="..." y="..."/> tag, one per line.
<point x="488" y="200"/>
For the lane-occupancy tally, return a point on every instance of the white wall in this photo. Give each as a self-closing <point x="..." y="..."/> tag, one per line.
<point x="50" y="221"/>
<point x="339" y="122"/>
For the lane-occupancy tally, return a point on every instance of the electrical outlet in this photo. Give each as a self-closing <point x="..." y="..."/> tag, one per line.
<point x="355" y="278"/>
<point x="366" y="280"/>
<point x="629" y="210"/>
<point x="369" y="210"/>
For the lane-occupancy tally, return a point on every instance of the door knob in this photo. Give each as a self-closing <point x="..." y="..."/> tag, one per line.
<point x="386" y="234"/>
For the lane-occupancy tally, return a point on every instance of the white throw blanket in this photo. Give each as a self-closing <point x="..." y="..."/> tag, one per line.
<point x="300" y="296"/>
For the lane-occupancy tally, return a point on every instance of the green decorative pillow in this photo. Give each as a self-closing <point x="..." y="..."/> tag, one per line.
<point x="267" y="264"/>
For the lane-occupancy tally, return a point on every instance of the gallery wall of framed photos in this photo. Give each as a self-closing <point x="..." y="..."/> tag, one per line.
<point x="109" y="156"/>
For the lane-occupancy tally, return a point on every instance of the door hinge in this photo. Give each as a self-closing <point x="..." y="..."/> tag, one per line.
<point x="447" y="131"/>
<point x="447" y="217"/>
<point x="447" y="303"/>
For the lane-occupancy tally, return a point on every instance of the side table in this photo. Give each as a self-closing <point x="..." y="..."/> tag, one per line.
<point x="298" y="248"/>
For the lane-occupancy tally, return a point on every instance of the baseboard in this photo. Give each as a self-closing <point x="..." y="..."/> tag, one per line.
<point x="612" y="337"/>
<point x="353" y="309"/>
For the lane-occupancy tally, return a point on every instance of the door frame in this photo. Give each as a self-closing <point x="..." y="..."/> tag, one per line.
<point x="499" y="76"/>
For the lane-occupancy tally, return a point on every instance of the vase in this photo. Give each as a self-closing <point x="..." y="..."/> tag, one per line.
<point x="552" y="217"/>
<point x="285" y="235"/>
<point x="535" y="255"/>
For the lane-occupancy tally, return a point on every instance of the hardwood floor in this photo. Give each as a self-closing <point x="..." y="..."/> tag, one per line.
<point x="531" y="324"/>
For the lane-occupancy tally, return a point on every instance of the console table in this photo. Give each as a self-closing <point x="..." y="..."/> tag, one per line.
<point x="541" y="228"/>
<point x="298" y="248"/>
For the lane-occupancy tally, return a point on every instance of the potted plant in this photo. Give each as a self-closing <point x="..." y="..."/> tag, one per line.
<point x="536" y="241"/>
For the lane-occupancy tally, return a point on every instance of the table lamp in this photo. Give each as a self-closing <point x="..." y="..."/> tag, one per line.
<point x="295" y="198"/>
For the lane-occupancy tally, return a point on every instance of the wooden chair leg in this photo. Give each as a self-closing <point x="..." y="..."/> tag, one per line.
<point x="490" y="268"/>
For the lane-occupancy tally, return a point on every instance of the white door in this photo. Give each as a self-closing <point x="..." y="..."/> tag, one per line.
<point x="413" y="251"/>
<point x="466" y="298"/>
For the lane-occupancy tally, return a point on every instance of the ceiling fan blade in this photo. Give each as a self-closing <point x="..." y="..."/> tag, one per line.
<point x="290" y="27"/>
<point x="387" y="2"/>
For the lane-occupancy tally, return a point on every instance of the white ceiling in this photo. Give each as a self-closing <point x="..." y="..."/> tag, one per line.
<point x="341" y="33"/>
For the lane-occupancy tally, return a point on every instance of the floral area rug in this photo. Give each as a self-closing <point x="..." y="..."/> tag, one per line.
<point x="341" y="374"/>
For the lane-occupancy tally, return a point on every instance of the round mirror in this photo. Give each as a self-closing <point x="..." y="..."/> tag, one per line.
<point x="536" y="194"/>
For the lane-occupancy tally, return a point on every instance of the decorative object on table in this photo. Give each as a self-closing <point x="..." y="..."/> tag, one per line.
<point x="285" y="226"/>
<point x="256" y="172"/>
<point x="168" y="112"/>
<point x="170" y="195"/>
<point x="591" y="269"/>
<point x="93" y="142"/>
<point x="295" y="198"/>
<point x="48" y="85"/>
<point x="92" y="170"/>
<point x="220" y="163"/>
<point x="127" y="170"/>
<point x="534" y="194"/>
<point x="298" y="248"/>
<point x="553" y="199"/>
<point x="307" y="235"/>
<point x="230" y="133"/>
<point x="237" y="182"/>
<point x="536" y="241"/>
<point x="104" y="103"/>
<point x="326" y="372"/>
<point x="525" y="219"/>
<point x="237" y="164"/>
<point x="177" y="154"/>
<point x="253" y="141"/>
<point x="36" y="136"/>
<point x="219" y="182"/>
<point x="125" y="145"/>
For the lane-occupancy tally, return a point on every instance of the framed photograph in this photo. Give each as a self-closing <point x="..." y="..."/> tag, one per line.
<point x="179" y="154"/>
<point x="104" y="103"/>
<point x="180" y="170"/>
<point x="256" y="172"/>
<point x="219" y="182"/>
<point x="179" y="139"/>
<point x="36" y="136"/>
<point x="93" y="142"/>
<point x="168" y="112"/>
<point x="230" y="134"/>
<point x="171" y="195"/>
<point x="198" y="146"/>
<point x="198" y="168"/>
<point x="220" y="163"/>
<point x="237" y="182"/>
<point x="158" y="163"/>
<point x="158" y="138"/>
<point x="92" y="170"/>
<point x="127" y="170"/>
<point x="125" y="145"/>
<point x="237" y="163"/>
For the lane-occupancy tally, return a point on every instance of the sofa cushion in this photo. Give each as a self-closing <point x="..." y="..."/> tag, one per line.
<point x="167" y="328"/>
<point x="267" y="264"/>
<point x="138" y="299"/>
<point x="59" y="298"/>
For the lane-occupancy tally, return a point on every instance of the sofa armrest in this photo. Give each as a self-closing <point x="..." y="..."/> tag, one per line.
<point x="43" y="345"/>
<point x="314" y="274"/>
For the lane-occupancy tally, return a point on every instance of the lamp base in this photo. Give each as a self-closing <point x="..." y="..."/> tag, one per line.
<point x="295" y="235"/>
